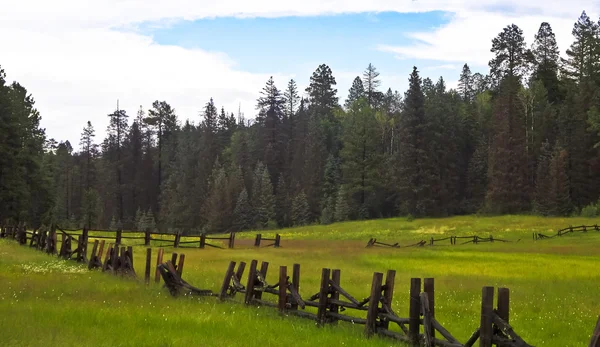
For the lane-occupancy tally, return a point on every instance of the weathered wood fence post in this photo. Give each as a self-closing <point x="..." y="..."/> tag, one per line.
<point x="595" y="341"/>
<point x="373" y="310"/>
<point x="414" y="311"/>
<point x="118" y="237"/>
<point x="257" y="240"/>
<point x="231" y="239"/>
<point x="202" y="240"/>
<point x="147" y="237"/>
<point x="487" y="311"/>
<point x="250" y="285"/>
<point x="282" y="302"/>
<point x="296" y="283"/>
<point x="323" y="293"/>
<point x="277" y="240"/>
<point x="159" y="258"/>
<point x="148" y="265"/>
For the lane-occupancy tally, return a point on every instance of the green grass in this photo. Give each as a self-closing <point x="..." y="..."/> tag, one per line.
<point x="554" y="285"/>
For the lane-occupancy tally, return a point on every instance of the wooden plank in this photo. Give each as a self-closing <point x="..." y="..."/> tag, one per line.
<point x="471" y="341"/>
<point x="373" y="312"/>
<point x="414" y="311"/>
<point x="487" y="313"/>
<point x="445" y="333"/>
<point x="353" y="320"/>
<point x="148" y="265"/>
<point x="109" y="253"/>
<point x="427" y="326"/>
<point x="231" y="240"/>
<point x="226" y="281"/>
<point x="282" y="289"/>
<point x="115" y="258"/>
<point x="595" y="341"/>
<point x="388" y="293"/>
<point x="296" y="284"/>
<point x="250" y="286"/>
<point x="323" y="292"/>
<point x="341" y="290"/>
<point x="159" y="258"/>
<point x="336" y="279"/>
<point x="180" y="264"/>
<point x="429" y="288"/>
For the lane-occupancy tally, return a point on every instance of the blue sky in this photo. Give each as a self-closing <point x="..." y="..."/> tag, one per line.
<point x="77" y="58"/>
<point x="297" y="45"/>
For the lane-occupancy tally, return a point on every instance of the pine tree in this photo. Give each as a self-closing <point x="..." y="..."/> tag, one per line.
<point x="300" y="210"/>
<point x="542" y="203"/>
<point x="546" y="54"/>
<point x="342" y="210"/>
<point x="217" y="206"/>
<point x="117" y="134"/>
<point x="371" y="82"/>
<point x="361" y="154"/>
<point x="243" y="218"/>
<point x="149" y="221"/>
<point x="414" y="167"/>
<point x="508" y="188"/>
<point x="465" y="84"/>
<point x="355" y="92"/>
<point x="292" y="99"/>
<point x="583" y="56"/>
<point x="560" y="182"/>
<point x="283" y="206"/>
<point x="511" y="55"/>
<point x="162" y="117"/>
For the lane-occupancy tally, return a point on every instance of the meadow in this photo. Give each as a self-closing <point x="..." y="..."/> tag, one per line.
<point x="554" y="285"/>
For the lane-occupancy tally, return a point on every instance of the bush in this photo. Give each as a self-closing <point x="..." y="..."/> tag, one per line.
<point x="591" y="210"/>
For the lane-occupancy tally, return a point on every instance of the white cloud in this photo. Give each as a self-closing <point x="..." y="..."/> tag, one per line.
<point x="69" y="55"/>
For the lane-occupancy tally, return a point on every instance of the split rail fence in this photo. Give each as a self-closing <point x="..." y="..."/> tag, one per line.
<point x="69" y="237"/>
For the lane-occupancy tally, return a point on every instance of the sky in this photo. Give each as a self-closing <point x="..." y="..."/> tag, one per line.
<point x="78" y="57"/>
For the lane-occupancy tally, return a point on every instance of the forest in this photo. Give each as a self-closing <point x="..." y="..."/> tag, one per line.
<point x="522" y="138"/>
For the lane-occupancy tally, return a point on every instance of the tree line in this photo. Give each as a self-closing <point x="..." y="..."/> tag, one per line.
<point x="523" y="137"/>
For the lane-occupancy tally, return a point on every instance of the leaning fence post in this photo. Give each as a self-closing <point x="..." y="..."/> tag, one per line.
<point x="282" y="289"/>
<point x="388" y="294"/>
<point x="296" y="283"/>
<point x="159" y="258"/>
<point x="487" y="311"/>
<point x="174" y="260"/>
<point x="148" y="265"/>
<point x="250" y="284"/>
<point x="180" y="264"/>
<point x="323" y="292"/>
<point x="257" y="240"/>
<point x="373" y="310"/>
<point x="226" y="281"/>
<point x="414" y="311"/>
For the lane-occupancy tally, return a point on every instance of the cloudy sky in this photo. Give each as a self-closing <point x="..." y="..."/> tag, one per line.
<point x="77" y="57"/>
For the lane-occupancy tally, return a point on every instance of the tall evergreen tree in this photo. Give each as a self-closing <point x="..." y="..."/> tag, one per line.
<point x="117" y="133"/>
<point x="356" y="92"/>
<point x="465" y="84"/>
<point x="546" y="54"/>
<point x="512" y="58"/>
<point x="371" y="84"/>
<point x="414" y="167"/>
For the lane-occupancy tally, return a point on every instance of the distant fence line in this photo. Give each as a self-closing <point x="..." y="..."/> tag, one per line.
<point x="418" y="329"/>
<point x="478" y="239"/>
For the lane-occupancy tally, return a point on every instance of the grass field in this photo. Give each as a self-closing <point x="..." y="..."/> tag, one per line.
<point x="555" y="296"/>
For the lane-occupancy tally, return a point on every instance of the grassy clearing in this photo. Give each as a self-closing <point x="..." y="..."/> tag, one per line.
<point x="554" y="287"/>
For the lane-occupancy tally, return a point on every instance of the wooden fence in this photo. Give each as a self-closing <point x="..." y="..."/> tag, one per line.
<point x="327" y="306"/>
<point x="460" y="240"/>
<point x="70" y="237"/>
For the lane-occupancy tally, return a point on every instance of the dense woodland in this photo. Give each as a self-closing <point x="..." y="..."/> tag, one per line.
<point x="523" y="137"/>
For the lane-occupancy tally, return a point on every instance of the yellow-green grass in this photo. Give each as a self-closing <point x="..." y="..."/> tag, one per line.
<point x="555" y="297"/>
